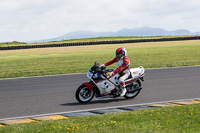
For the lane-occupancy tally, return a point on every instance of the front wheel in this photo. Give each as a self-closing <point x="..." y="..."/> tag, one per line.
<point x="84" y="94"/>
<point x="133" y="90"/>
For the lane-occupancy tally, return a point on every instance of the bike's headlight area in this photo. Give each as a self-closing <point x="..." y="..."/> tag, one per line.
<point x="89" y="74"/>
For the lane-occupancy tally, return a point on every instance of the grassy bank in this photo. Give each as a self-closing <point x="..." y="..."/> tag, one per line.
<point x="50" y="61"/>
<point x="15" y="43"/>
<point x="179" y="119"/>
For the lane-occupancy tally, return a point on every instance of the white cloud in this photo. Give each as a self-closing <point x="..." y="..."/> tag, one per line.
<point x="25" y="20"/>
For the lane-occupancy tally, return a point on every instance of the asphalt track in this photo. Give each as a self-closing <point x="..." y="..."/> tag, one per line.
<point x="51" y="94"/>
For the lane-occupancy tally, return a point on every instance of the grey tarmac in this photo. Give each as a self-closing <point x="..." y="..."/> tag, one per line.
<point x="51" y="94"/>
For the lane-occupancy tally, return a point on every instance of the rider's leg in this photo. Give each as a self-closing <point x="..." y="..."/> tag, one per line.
<point x="122" y="84"/>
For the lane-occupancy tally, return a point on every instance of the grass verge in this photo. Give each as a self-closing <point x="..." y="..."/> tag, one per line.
<point x="15" y="43"/>
<point x="50" y="61"/>
<point x="174" y="119"/>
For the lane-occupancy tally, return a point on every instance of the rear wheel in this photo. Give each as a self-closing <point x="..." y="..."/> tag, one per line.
<point x="84" y="94"/>
<point x="133" y="90"/>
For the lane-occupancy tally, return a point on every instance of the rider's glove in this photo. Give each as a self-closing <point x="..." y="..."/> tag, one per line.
<point x="103" y="67"/>
<point x="109" y="74"/>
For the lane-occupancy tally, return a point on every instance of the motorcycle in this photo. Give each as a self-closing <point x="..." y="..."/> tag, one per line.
<point x="103" y="87"/>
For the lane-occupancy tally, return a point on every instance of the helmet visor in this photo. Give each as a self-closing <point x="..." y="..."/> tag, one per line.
<point x="118" y="56"/>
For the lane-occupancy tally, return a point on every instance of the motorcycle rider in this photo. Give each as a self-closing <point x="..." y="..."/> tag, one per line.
<point x="123" y="69"/>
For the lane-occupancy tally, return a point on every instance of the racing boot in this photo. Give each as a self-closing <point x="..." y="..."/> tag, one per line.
<point x="123" y="91"/>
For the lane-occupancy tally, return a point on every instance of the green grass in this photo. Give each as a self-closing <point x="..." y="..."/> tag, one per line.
<point x="175" y="119"/>
<point x="15" y="43"/>
<point x="107" y="39"/>
<point x="80" y="59"/>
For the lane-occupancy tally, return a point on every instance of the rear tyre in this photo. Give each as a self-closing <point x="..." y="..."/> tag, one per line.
<point x="133" y="90"/>
<point x="84" y="94"/>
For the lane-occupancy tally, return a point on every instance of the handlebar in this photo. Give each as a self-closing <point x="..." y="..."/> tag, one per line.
<point x="96" y="68"/>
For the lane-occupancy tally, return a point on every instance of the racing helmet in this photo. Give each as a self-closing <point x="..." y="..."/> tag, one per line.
<point x="120" y="53"/>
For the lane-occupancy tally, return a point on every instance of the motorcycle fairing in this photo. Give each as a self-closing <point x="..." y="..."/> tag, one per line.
<point x="89" y="85"/>
<point x="105" y="87"/>
<point x="97" y="77"/>
<point x="135" y="74"/>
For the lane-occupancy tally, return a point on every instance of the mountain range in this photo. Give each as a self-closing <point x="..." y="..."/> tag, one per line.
<point x="143" y="31"/>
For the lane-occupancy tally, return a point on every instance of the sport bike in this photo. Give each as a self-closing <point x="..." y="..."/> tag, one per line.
<point x="103" y="87"/>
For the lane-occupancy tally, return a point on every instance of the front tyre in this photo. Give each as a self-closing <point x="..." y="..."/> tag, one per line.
<point x="84" y="94"/>
<point x="133" y="90"/>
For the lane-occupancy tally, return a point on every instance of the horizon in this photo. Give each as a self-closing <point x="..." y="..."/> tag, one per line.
<point x="93" y="36"/>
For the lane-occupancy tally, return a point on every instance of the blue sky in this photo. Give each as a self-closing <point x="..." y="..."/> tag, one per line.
<point x="27" y="20"/>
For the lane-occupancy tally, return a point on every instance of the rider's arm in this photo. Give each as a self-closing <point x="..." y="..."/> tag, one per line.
<point x="124" y="66"/>
<point x="110" y="62"/>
